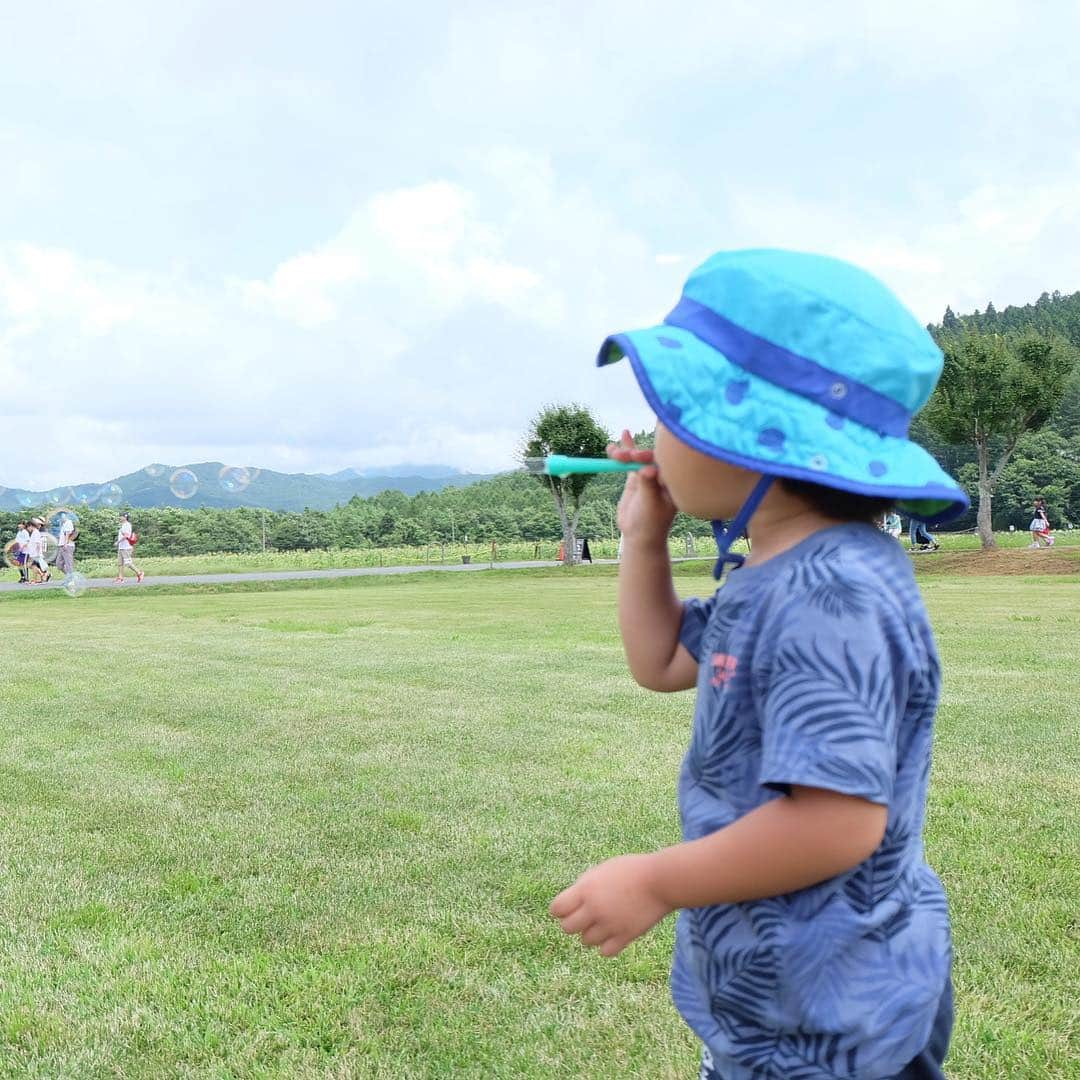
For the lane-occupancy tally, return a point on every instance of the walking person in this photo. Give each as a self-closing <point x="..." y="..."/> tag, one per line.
<point x="22" y="542"/>
<point x="35" y="551"/>
<point x="65" y="549"/>
<point x="1040" y="526"/>
<point x="126" y="539"/>
<point x="920" y="538"/>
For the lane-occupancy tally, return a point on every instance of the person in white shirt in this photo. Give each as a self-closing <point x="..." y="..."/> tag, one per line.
<point x="22" y="560"/>
<point x="65" y="551"/>
<point x="124" y="551"/>
<point x="35" y="551"/>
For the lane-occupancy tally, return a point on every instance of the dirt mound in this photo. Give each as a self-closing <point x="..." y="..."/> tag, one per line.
<point x="1028" y="562"/>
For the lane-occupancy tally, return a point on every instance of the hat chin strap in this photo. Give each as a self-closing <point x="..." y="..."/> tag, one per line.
<point x="725" y="537"/>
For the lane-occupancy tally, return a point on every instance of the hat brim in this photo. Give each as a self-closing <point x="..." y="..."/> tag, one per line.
<point x="717" y="407"/>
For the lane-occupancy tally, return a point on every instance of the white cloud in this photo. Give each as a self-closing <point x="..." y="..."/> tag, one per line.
<point x="427" y="244"/>
<point x="39" y="285"/>
<point x="304" y="288"/>
<point x="1005" y="242"/>
<point x="424" y="330"/>
<point x="433" y="324"/>
<point x="258" y="241"/>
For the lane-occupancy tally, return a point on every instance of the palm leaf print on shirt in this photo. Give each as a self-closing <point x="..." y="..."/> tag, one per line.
<point x="830" y="719"/>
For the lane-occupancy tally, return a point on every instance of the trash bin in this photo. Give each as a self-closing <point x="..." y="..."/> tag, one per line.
<point x="466" y="559"/>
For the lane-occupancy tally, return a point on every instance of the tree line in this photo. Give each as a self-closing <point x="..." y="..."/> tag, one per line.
<point x="508" y="508"/>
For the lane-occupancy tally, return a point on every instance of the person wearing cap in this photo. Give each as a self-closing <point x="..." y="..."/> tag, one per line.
<point x="35" y="551"/>
<point x="812" y="938"/>
<point x="124" y="551"/>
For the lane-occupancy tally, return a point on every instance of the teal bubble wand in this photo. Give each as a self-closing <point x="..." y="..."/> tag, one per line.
<point x="561" y="465"/>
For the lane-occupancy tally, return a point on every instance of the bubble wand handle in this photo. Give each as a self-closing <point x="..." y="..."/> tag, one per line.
<point x="561" y="465"/>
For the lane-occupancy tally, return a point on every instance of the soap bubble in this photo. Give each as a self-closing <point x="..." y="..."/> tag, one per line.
<point x="75" y="584"/>
<point x="49" y="547"/>
<point x="234" y="478"/>
<point x="57" y="518"/>
<point x="154" y="471"/>
<point x="183" y="483"/>
<point x="9" y="554"/>
<point x="27" y="501"/>
<point x="109" y="495"/>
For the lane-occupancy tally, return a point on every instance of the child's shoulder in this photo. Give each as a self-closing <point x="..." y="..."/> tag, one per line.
<point x="855" y="554"/>
<point x="847" y="574"/>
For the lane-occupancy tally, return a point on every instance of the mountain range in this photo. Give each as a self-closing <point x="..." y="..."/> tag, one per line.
<point x="213" y="484"/>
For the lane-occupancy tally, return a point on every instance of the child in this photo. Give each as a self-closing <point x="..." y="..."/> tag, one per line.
<point x="813" y="939"/>
<point x="22" y="560"/>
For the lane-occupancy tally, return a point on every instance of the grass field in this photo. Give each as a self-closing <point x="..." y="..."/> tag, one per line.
<point x="313" y="830"/>
<point x="436" y="554"/>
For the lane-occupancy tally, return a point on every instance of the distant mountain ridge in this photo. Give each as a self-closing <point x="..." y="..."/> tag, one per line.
<point x="424" y="472"/>
<point x="214" y="484"/>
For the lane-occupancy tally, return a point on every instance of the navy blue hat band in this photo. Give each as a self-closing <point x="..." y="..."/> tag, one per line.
<point x="838" y="393"/>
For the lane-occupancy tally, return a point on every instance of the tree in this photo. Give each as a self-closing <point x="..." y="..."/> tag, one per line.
<point x="570" y="430"/>
<point x="993" y="389"/>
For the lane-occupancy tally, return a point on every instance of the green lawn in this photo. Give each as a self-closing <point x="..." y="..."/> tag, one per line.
<point x="313" y="831"/>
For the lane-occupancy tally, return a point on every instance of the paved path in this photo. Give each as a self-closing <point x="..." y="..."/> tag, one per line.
<point x="277" y="575"/>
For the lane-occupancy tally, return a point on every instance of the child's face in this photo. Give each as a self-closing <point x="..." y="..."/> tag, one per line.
<point x="699" y="485"/>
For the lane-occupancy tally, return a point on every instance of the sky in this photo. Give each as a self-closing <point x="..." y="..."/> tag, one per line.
<point x="308" y="237"/>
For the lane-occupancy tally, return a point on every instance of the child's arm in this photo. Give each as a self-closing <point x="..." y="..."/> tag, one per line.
<point x="787" y="844"/>
<point x="650" y="614"/>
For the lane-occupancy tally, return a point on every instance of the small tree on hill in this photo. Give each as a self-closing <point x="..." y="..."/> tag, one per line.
<point x="570" y="430"/>
<point x="994" y="389"/>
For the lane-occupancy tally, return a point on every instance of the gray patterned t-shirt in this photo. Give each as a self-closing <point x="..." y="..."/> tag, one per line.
<point x="816" y="668"/>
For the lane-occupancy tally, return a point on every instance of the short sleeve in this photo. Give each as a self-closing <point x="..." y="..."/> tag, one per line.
<point x="831" y="709"/>
<point x="696" y="613"/>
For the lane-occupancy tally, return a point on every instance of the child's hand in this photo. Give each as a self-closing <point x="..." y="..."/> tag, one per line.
<point x="612" y="903"/>
<point x="645" y="509"/>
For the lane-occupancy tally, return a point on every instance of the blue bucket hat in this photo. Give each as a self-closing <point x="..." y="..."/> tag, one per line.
<point x="796" y="365"/>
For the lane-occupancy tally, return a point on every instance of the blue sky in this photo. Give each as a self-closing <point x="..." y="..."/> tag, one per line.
<point x="345" y="234"/>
